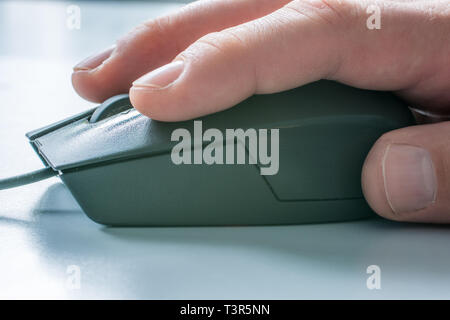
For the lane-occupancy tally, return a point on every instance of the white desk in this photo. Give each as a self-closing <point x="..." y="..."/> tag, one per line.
<point x="43" y="231"/>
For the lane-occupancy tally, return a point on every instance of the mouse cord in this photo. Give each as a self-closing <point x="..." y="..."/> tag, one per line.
<point x="27" y="178"/>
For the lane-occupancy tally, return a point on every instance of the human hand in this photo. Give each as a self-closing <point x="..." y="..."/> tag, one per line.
<point x="230" y="50"/>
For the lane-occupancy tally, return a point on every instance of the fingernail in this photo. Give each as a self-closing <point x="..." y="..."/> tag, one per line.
<point x="161" y="77"/>
<point x="94" y="61"/>
<point x="409" y="178"/>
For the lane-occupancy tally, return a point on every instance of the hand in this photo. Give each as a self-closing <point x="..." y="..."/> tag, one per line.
<point x="229" y="50"/>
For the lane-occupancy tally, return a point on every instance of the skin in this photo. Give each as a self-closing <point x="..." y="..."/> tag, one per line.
<point x="230" y="50"/>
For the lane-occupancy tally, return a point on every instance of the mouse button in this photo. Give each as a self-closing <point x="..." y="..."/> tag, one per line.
<point x="81" y="143"/>
<point x="32" y="135"/>
<point x="110" y="107"/>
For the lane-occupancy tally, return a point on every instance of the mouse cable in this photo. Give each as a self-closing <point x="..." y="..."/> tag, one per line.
<point x="27" y="178"/>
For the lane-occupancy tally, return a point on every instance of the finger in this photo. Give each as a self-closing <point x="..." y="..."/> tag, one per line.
<point x="158" y="41"/>
<point x="406" y="176"/>
<point x="291" y="46"/>
<point x="301" y="42"/>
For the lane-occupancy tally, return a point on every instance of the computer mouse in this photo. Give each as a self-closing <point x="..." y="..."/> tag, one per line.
<point x="286" y="158"/>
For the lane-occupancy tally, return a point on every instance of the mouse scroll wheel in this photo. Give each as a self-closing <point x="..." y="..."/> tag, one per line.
<point x="110" y="107"/>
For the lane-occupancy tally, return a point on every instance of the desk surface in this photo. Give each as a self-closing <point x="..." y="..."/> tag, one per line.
<point x="43" y="232"/>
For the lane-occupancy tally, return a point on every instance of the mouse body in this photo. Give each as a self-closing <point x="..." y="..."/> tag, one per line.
<point x="125" y="169"/>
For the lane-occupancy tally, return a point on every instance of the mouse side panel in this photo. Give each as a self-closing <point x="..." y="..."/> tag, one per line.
<point x="323" y="157"/>
<point x="155" y="192"/>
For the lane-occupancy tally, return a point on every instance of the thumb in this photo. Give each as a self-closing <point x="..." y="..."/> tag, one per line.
<point x="406" y="176"/>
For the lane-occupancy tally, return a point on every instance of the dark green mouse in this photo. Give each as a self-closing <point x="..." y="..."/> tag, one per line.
<point x="286" y="158"/>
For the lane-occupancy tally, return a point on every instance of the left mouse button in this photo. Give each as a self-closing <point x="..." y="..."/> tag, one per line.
<point x="110" y="107"/>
